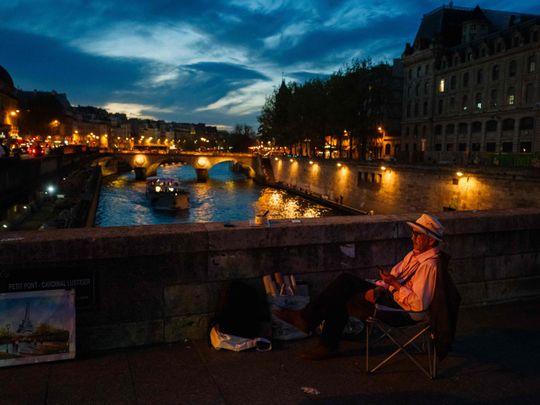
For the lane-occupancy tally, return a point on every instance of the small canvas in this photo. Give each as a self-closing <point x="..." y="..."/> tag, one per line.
<point x="37" y="326"/>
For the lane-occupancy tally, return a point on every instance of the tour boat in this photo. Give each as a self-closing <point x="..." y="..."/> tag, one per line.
<point x="166" y="194"/>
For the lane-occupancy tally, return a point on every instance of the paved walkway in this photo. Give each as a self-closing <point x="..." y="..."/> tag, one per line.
<point x="496" y="360"/>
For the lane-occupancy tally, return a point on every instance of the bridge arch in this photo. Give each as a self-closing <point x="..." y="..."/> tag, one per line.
<point x="146" y="164"/>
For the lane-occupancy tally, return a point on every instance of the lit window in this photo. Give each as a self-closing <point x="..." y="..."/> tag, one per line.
<point x="441" y="86"/>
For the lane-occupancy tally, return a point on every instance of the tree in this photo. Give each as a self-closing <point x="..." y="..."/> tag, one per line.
<point x="241" y="138"/>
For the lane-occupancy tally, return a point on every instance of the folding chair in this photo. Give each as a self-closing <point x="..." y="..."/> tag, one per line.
<point x="411" y="340"/>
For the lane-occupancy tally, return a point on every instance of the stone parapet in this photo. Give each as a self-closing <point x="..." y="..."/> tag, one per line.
<point x="159" y="283"/>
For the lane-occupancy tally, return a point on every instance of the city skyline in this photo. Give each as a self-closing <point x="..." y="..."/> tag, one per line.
<point x="212" y="62"/>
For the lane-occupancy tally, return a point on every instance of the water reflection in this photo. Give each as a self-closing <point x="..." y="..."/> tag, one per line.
<point x="226" y="196"/>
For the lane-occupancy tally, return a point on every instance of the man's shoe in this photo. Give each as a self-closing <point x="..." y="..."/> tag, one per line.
<point x="294" y="318"/>
<point x="320" y="352"/>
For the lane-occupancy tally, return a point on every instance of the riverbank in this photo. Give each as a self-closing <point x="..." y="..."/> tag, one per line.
<point x="57" y="203"/>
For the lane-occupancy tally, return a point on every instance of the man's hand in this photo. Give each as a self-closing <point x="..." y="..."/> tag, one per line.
<point x="390" y="279"/>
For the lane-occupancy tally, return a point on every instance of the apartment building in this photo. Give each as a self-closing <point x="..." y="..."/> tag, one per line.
<point x="472" y="86"/>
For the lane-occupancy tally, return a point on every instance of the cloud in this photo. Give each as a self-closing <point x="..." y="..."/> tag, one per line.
<point x="243" y="101"/>
<point x="135" y="110"/>
<point x="199" y="61"/>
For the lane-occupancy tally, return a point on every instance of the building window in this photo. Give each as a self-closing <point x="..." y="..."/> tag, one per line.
<point x="526" y="123"/>
<point x="475" y="147"/>
<point x="478" y="101"/>
<point x="440" y="107"/>
<point x="418" y="71"/>
<point x="515" y="41"/>
<point x="531" y="64"/>
<point x="499" y="47"/>
<point x="463" y="128"/>
<point x="387" y="148"/>
<point x="408" y="110"/>
<point x="453" y="83"/>
<point x="493" y="98"/>
<point x="479" y="76"/>
<point x="426" y="69"/>
<point x="416" y="109"/>
<point x="424" y="108"/>
<point x="476" y="127"/>
<point x="417" y="89"/>
<point x="426" y="88"/>
<point x="410" y="74"/>
<point x="525" y="147"/>
<point x="512" y="68"/>
<point x="414" y="147"/>
<point x="441" y="86"/>
<point x="464" y="103"/>
<point x="529" y="93"/>
<point x="415" y="130"/>
<point x="507" y="147"/>
<point x="438" y="147"/>
<point x="452" y="103"/>
<point x="465" y="79"/>
<point x="495" y="72"/>
<point x="511" y="96"/>
<point x="438" y="129"/>
<point x="483" y="52"/>
<point x="491" y="126"/>
<point x="450" y="128"/>
<point x="407" y="131"/>
<point x="508" y="124"/>
<point x="491" y="147"/>
<point x="449" y="147"/>
<point x="462" y="147"/>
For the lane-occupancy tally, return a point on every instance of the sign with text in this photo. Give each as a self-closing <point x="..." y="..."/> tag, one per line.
<point x="82" y="280"/>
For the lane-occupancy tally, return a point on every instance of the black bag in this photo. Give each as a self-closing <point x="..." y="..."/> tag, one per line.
<point x="240" y="310"/>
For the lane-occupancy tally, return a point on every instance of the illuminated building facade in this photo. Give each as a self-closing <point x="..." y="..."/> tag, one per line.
<point x="472" y="86"/>
<point x="9" y="106"/>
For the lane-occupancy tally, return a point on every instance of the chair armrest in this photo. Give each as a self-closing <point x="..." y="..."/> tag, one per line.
<point x="415" y="315"/>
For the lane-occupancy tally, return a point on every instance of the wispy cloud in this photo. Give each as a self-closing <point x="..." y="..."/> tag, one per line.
<point x="136" y="110"/>
<point x="244" y="101"/>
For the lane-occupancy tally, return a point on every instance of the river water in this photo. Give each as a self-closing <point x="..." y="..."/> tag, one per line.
<point x="226" y="196"/>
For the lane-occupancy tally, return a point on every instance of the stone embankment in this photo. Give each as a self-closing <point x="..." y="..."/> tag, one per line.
<point x="138" y="286"/>
<point x="50" y="192"/>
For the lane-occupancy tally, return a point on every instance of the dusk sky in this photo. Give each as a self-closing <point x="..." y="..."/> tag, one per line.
<point x="199" y="61"/>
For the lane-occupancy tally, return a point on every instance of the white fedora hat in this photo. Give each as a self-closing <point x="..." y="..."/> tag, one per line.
<point x="428" y="225"/>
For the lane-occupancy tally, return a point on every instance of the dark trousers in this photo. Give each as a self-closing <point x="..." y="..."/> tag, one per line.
<point x="343" y="297"/>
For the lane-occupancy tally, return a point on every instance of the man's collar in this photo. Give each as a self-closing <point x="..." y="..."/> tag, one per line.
<point x="428" y="254"/>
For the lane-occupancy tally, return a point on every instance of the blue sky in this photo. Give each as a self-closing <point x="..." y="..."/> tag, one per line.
<point x="211" y="61"/>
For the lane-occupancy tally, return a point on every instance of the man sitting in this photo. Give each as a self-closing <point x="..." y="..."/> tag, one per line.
<point x="409" y="285"/>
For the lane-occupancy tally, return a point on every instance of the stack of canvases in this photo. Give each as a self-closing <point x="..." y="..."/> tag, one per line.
<point x="283" y="292"/>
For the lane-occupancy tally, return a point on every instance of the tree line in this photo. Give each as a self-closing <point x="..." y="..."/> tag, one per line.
<point x="346" y="108"/>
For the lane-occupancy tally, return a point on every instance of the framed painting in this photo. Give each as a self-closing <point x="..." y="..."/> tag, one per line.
<point x="37" y="326"/>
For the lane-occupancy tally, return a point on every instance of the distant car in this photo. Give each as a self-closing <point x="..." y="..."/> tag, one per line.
<point x="36" y="150"/>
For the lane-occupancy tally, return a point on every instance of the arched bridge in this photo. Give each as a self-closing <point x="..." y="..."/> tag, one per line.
<point x="146" y="163"/>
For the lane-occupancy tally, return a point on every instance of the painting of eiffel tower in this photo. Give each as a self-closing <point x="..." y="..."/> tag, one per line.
<point x="37" y="326"/>
<point x="26" y="326"/>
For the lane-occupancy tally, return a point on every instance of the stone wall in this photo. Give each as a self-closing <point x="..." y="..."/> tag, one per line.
<point x="159" y="283"/>
<point x="401" y="189"/>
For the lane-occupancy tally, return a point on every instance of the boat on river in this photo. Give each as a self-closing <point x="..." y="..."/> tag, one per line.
<point x="166" y="194"/>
